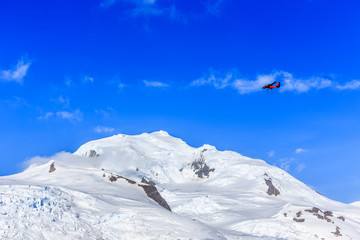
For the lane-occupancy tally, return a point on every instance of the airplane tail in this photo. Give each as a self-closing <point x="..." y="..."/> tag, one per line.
<point x="278" y="85"/>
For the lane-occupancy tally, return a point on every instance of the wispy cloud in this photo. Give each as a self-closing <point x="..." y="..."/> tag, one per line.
<point x="354" y="84"/>
<point x="213" y="80"/>
<point x="300" y="167"/>
<point x="171" y="9"/>
<point x="143" y="7"/>
<point x="106" y="113"/>
<point x="213" y="7"/>
<point x="74" y="116"/>
<point x="102" y="129"/>
<point x="300" y="150"/>
<point x="64" y="101"/>
<point x="271" y="153"/>
<point x="17" y="73"/>
<point x="88" y="79"/>
<point x="16" y="102"/>
<point x="285" y="163"/>
<point x="288" y="82"/>
<point x="303" y="85"/>
<point x="46" y="116"/>
<point x="289" y="164"/>
<point x="155" y="84"/>
<point x="68" y="81"/>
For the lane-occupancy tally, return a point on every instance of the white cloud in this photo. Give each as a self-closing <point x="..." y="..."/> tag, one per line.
<point x="287" y="80"/>
<point x="68" y="81"/>
<point x="16" y="102"/>
<point x="46" y="116"/>
<point x="165" y="8"/>
<point x="74" y="116"/>
<point x="140" y="7"/>
<point x="16" y="74"/>
<point x="71" y="116"/>
<point x="155" y="84"/>
<point x="354" y="84"/>
<point x="102" y="129"/>
<point x="106" y="113"/>
<point x="300" y="150"/>
<point x="290" y="164"/>
<point x="271" y="153"/>
<point x="289" y="83"/>
<point x="213" y="7"/>
<point x="300" y="167"/>
<point x="87" y="79"/>
<point x="217" y="82"/>
<point x="285" y="163"/>
<point x="247" y="86"/>
<point x="65" y="101"/>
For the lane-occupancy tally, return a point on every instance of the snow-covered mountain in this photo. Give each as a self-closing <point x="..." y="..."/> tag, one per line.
<point x="155" y="186"/>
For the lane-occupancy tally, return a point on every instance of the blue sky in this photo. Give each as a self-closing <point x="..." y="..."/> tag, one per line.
<point x="74" y="71"/>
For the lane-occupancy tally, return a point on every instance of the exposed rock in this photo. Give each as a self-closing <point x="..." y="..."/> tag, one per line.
<point x="149" y="188"/>
<point x="112" y="178"/>
<point x="271" y="190"/>
<point x="199" y="167"/>
<point x="313" y="210"/>
<point x="92" y="153"/>
<point x="341" y="218"/>
<point x="323" y="215"/>
<point x="328" y="213"/>
<point x="52" y="167"/>
<point x="337" y="232"/>
<point x="299" y="219"/>
<point x="152" y="192"/>
<point x="319" y="193"/>
<point x="128" y="180"/>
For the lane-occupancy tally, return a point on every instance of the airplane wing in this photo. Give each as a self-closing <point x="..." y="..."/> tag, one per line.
<point x="272" y="83"/>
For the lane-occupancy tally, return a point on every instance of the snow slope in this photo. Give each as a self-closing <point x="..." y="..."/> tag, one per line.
<point x="119" y="187"/>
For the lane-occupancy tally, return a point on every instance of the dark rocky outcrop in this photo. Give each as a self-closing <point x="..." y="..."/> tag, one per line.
<point x="113" y="178"/>
<point x="128" y="180"/>
<point x="272" y="190"/>
<point x="152" y="192"/>
<point x="313" y="210"/>
<point x="200" y="168"/>
<point x="299" y="219"/>
<point x="337" y="232"/>
<point x="323" y="215"/>
<point x="148" y="186"/>
<point x="52" y="167"/>
<point x="341" y="218"/>
<point x="92" y="153"/>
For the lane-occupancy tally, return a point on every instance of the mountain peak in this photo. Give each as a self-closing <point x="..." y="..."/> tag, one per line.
<point x="122" y="185"/>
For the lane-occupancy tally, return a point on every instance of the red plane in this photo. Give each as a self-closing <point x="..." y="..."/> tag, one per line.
<point x="270" y="86"/>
